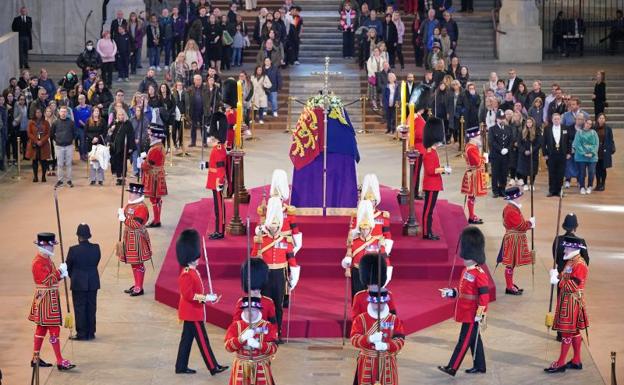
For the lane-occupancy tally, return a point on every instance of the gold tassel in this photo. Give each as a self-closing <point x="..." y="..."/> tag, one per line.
<point x="69" y="321"/>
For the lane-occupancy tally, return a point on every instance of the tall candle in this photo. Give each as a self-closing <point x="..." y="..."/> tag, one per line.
<point x="239" y="115"/>
<point x="403" y="101"/>
<point x="412" y="116"/>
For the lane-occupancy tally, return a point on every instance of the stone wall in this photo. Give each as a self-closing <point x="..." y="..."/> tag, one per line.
<point x="9" y="57"/>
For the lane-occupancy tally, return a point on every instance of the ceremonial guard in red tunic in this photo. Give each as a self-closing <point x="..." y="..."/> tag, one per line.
<point x="474" y="183"/>
<point x="432" y="180"/>
<point x="362" y="243"/>
<point x="280" y="188"/>
<point x="514" y="250"/>
<point x="135" y="248"/>
<point x="192" y="306"/>
<point x="419" y="131"/>
<point x="153" y="171"/>
<point x="253" y="340"/>
<point x="571" y="312"/>
<point x="216" y="173"/>
<point x="277" y="250"/>
<point x="472" y="298"/>
<point x="260" y="274"/>
<point x="45" y="310"/>
<point x="377" y="333"/>
<point x="371" y="192"/>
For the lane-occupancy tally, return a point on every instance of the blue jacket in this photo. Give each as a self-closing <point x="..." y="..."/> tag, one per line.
<point x="81" y="114"/>
<point x="374" y="24"/>
<point x="275" y="77"/>
<point x="397" y="95"/>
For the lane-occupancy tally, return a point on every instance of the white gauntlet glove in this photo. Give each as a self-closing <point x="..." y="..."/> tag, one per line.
<point x="346" y="262"/>
<point x="253" y="343"/>
<point x="554" y="276"/>
<point x="211" y="297"/>
<point x="447" y="292"/>
<point x="63" y="270"/>
<point x="294" y="276"/>
<point x="486" y="157"/>
<point x="120" y="215"/>
<point x="246" y="335"/>
<point x="532" y="220"/>
<point x="375" y="337"/>
<point x="504" y="151"/>
<point x="447" y="170"/>
<point x="381" y="346"/>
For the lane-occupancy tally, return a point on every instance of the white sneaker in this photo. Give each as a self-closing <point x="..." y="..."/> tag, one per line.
<point x="526" y="187"/>
<point x="275" y="114"/>
<point x="158" y="69"/>
<point x="567" y="184"/>
<point x="166" y="68"/>
<point x="589" y="190"/>
<point x="247" y="133"/>
<point x="297" y="62"/>
<point x="583" y="191"/>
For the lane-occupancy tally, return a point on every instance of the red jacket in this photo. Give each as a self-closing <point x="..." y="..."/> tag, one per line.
<point x="473" y="291"/>
<point x="359" y="247"/>
<point x="46" y="305"/>
<point x="137" y="247"/>
<point x="268" y="310"/>
<point x="230" y="115"/>
<point x="432" y="181"/>
<point x="216" y="167"/>
<point x="153" y="169"/>
<point x="190" y="308"/>
<point x="276" y="251"/>
<point x="419" y="131"/>
<point x="360" y="303"/>
<point x="515" y="248"/>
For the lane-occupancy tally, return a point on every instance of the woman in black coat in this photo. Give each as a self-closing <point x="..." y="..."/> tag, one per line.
<point x="600" y="94"/>
<point x="212" y="34"/>
<point x="121" y="136"/>
<point x="102" y="97"/>
<point x="606" y="148"/>
<point x="167" y="110"/>
<point x="529" y="141"/>
<point x="391" y="37"/>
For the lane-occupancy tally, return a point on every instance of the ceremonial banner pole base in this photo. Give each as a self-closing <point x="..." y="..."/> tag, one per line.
<point x="410" y="227"/>
<point x="236" y="226"/>
<point x="404" y="194"/>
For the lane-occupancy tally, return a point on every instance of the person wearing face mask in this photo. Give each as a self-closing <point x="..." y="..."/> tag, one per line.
<point x="473" y="298"/>
<point x="89" y="60"/>
<point x="192" y="306"/>
<point x="474" y="183"/>
<point x="45" y="311"/>
<point x="570" y="313"/>
<point x="514" y="250"/>
<point x="277" y="250"/>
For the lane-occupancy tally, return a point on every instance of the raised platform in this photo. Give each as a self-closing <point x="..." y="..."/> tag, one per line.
<point x="421" y="267"/>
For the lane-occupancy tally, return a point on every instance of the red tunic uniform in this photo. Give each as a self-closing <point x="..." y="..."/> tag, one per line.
<point x="419" y="131"/>
<point x="382" y="224"/>
<point x="473" y="291"/>
<point x="268" y="310"/>
<point x="515" y="247"/>
<point x="432" y="181"/>
<point x="153" y="167"/>
<point x="367" y="365"/>
<point x="137" y="247"/>
<point x="216" y="167"/>
<point x="46" y="306"/>
<point x="276" y="251"/>
<point x="191" y="307"/>
<point x="251" y="366"/>
<point x="571" y="313"/>
<point x="360" y="303"/>
<point x="474" y="182"/>
<point x="360" y="247"/>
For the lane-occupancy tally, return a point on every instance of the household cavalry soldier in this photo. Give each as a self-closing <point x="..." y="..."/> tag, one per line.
<point x="153" y="171"/>
<point x="370" y="191"/>
<point x="192" y="306"/>
<point x="259" y="276"/>
<point x="362" y="243"/>
<point x="135" y="248"/>
<point x="377" y="332"/>
<point x="217" y="172"/>
<point x="277" y="250"/>
<point x="45" y="310"/>
<point x="571" y="313"/>
<point x="514" y="249"/>
<point x="472" y="298"/>
<point x="251" y="336"/>
<point x="474" y="183"/>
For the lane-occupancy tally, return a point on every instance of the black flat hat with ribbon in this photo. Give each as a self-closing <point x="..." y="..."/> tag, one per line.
<point x="46" y="239"/>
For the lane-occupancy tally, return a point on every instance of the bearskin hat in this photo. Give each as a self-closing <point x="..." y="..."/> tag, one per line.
<point x="369" y="273"/>
<point x="472" y="244"/>
<point x="434" y="132"/>
<point x="187" y="247"/>
<point x="219" y="126"/>
<point x="420" y="97"/>
<point x="259" y="274"/>
<point x="230" y="92"/>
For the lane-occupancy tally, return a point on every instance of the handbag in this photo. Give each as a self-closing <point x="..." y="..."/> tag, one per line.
<point x="227" y="38"/>
<point x="372" y="80"/>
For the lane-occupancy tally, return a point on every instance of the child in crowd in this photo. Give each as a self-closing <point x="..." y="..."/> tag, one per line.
<point x="99" y="159"/>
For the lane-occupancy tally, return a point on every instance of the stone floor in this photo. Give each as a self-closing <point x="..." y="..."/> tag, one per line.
<point x="137" y="337"/>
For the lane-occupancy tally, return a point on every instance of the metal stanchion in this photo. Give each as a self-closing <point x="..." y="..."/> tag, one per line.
<point x="363" y="130"/>
<point x="462" y="143"/>
<point x="19" y="160"/>
<point x="410" y="227"/>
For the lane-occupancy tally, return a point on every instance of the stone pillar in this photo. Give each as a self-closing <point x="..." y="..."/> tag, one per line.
<point x="522" y="42"/>
<point x="9" y="57"/>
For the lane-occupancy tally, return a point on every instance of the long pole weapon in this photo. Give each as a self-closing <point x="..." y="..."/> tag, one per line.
<point x="121" y="204"/>
<point x="346" y="301"/>
<point x="69" y="321"/>
<point x="549" y="315"/>
<point x="249" y="314"/>
<point x="207" y="265"/>
<point x="435" y="113"/>
<point x="532" y="228"/>
<point x="379" y="366"/>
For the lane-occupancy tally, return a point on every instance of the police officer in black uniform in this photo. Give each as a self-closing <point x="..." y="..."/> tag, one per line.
<point x="499" y="143"/>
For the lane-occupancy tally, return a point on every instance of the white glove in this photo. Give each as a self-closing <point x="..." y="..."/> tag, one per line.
<point x="259" y="229"/>
<point x="202" y="165"/>
<point x="63" y="270"/>
<point x="381" y="346"/>
<point x="294" y="276"/>
<point x="298" y="240"/>
<point x="220" y="187"/>
<point x="346" y="262"/>
<point x="478" y="318"/>
<point x="120" y="214"/>
<point x="532" y="220"/>
<point x="554" y="276"/>
<point x="375" y="337"/>
<point x="486" y="157"/>
<point x="447" y="292"/>
<point x="139" y="162"/>
<point x="504" y="151"/>
<point x="253" y="343"/>
<point x="355" y="233"/>
<point x="247" y="335"/>
<point x="389" y="270"/>
<point x="211" y="297"/>
<point x="143" y="155"/>
<point x="447" y="169"/>
<point x="388" y="243"/>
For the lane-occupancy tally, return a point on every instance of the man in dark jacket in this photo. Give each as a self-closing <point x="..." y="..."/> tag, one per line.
<point x="63" y="132"/>
<point x="122" y="59"/>
<point x="88" y="60"/>
<point x="22" y="24"/>
<point x="556" y="151"/>
<point x="273" y="73"/>
<point x="166" y="36"/>
<point x="82" y="266"/>
<point x="499" y="141"/>
<point x="149" y="79"/>
<point x="197" y="102"/>
<point x="118" y="22"/>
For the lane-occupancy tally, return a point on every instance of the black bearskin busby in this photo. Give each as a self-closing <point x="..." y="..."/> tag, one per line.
<point x="472" y="245"/>
<point x="187" y="247"/>
<point x="434" y="132"/>
<point x="230" y="92"/>
<point x="421" y="97"/>
<point x="259" y="274"/>
<point x="218" y="126"/>
<point x="369" y="272"/>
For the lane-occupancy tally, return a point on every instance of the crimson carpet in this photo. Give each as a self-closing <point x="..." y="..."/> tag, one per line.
<point x="421" y="267"/>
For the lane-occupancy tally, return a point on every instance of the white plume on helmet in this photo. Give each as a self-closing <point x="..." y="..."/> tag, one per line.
<point x="365" y="214"/>
<point x="370" y="188"/>
<point x="274" y="213"/>
<point x="279" y="184"/>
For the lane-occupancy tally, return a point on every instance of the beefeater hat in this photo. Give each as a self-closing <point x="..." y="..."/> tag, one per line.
<point x="135" y="188"/>
<point x="46" y="239"/>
